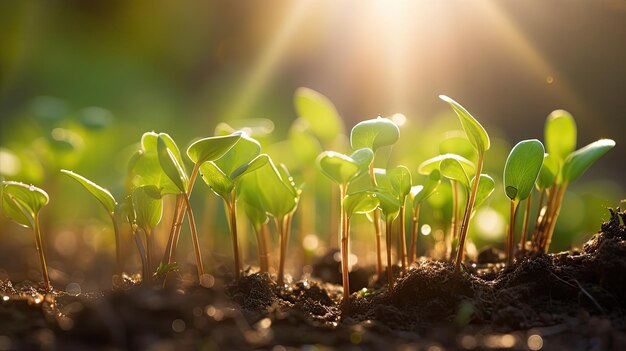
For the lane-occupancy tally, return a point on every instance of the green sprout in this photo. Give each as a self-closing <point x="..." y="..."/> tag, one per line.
<point x="400" y="179"/>
<point x="342" y="169"/>
<point x="22" y="203"/>
<point x="479" y="139"/>
<point x="419" y="194"/>
<point x="520" y="174"/>
<point x="148" y="207"/>
<point x="374" y="134"/>
<point x="222" y="176"/>
<point x="560" y="138"/>
<point x="271" y="191"/>
<point x="108" y="202"/>
<point x="455" y="168"/>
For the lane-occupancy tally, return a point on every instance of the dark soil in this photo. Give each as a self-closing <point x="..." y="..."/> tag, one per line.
<point x="566" y="301"/>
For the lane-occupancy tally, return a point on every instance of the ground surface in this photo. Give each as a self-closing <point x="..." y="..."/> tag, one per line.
<point x="565" y="301"/>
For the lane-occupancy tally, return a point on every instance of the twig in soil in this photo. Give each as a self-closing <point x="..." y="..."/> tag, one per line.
<point x="595" y="302"/>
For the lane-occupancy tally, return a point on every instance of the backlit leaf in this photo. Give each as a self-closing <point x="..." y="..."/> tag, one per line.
<point x="170" y="165"/>
<point x="400" y="179"/>
<point x="432" y="164"/>
<point x="452" y="169"/>
<point x="242" y="153"/>
<point x="580" y="160"/>
<point x="219" y="182"/>
<point x="212" y="148"/>
<point x="485" y="188"/>
<point x="476" y="134"/>
<point x="360" y="203"/>
<point x="522" y="168"/>
<point x="560" y="134"/>
<point x="101" y="194"/>
<point x="374" y="133"/>
<point x="148" y="206"/>
<point x="338" y="167"/>
<point x="22" y="202"/>
<point x="548" y="172"/>
<point x="319" y="113"/>
<point x="420" y="193"/>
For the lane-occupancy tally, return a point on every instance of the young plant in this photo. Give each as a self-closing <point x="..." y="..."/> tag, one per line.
<point x="108" y="202"/>
<point x="222" y="176"/>
<point x="148" y="207"/>
<point x="374" y="134"/>
<point x="22" y="203"/>
<point x="560" y="139"/>
<point x="479" y="139"/>
<point x="419" y="194"/>
<point x="274" y="194"/>
<point x="400" y="179"/>
<point x="520" y="174"/>
<point x="342" y="169"/>
<point x="361" y="202"/>
<point x="455" y="168"/>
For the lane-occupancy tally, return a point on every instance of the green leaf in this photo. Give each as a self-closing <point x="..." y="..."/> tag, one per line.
<point x="476" y="134"/>
<point x="255" y="127"/>
<point x="400" y="179"/>
<point x="486" y="186"/>
<point x="338" y="167"/>
<point x="432" y="164"/>
<point x="101" y="194"/>
<point x="149" y="142"/>
<point x="453" y="170"/>
<point x="363" y="158"/>
<point x="256" y="215"/>
<point x="219" y="182"/>
<point x="319" y="113"/>
<point x="388" y="203"/>
<point x="382" y="179"/>
<point x="148" y="206"/>
<point x="547" y="175"/>
<point x="522" y="169"/>
<point x="212" y="148"/>
<point x="144" y="169"/>
<point x="580" y="160"/>
<point x="255" y="164"/>
<point x="560" y="134"/>
<point x="457" y="144"/>
<point x="270" y="190"/>
<point x="360" y="203"/>
<point x="420" y="193"/>
<point x="22" y="202"/>
<point x="374" y="133"/>
<point x="170" y="165"/>
<point x="239" y="155"/>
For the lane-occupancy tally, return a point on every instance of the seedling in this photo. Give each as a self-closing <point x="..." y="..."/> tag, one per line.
<point x="520" y="174"/>
<point x="560" y="138"/>
<point x="108" y="202"/>
<point x="222" y="176"/>
<point x="419" y="194"/>
<point x="455" y="169"/>
<point x="479" y="139"/>
<point x="148" y="207"/>
<point x="22" y="203"/>
<point x="374" y="134"/>
<point x="400" y="179"/>
<point x="342" y="169"/>
<point x="269" y="191"/>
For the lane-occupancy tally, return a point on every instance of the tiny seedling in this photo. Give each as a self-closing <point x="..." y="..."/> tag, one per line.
<point x="274" y="194"/>
<point x="560" y="138"/>
<point x="479" y="139"/>
<point x="22" y="203"/>
<point x="419" y="194"/>
<point x="108" y="202"/>
<point x="520" y="174"/>
<point x="222" y="176"/>
<point x="374" y="134"/>
<point x="342" y="169"/>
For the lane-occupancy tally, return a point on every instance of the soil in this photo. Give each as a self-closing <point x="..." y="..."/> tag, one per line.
<point x="566" y="301"/>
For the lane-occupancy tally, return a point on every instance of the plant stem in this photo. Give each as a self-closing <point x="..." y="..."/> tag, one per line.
<point x="178" y="220"/>
<point x="389" y="227"/>
<point x="142" y="255"/>
<point x="455" y="216"/>
<point x="533" y="238"/>
<point x="413" y="250"/>
<point x="118" y="246"/>
<point x="261" y="245"/>
<point x="377" y="226"/>
<point x="170" y="241"/>
<point x="468" y="214"/>
<point x="555" y="216"/>
<point x="149" y="252"/>
<point x="402" y="240"/>
<point x="283" y="226"/>
<point x="511" y="235"/>
<point x="42" y="257"/>
<point x="194" y="237"/>
<point x="231" y="205"/>
<point x="344" y="229"/>
<point x="529" y="202"/>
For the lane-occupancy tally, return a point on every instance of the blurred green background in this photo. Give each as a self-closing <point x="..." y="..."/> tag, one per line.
<point x="80" y="81"/>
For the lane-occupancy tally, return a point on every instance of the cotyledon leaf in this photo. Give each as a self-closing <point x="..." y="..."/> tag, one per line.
<point x="433" y="163"/>
<point x="101" y="194"/>
<point x="522" y="168"/>
<point x="212" y="148"/>
<point x="374" y="133"/>
<point x="560" y="134"/>
<point x="476" y="134"/>
<point x="452" y="169"/>
<point x="580" y="160"/>
<point x="22" y="202"/>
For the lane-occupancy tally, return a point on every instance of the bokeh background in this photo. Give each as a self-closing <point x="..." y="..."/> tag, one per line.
<point x="80" y="81"/>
